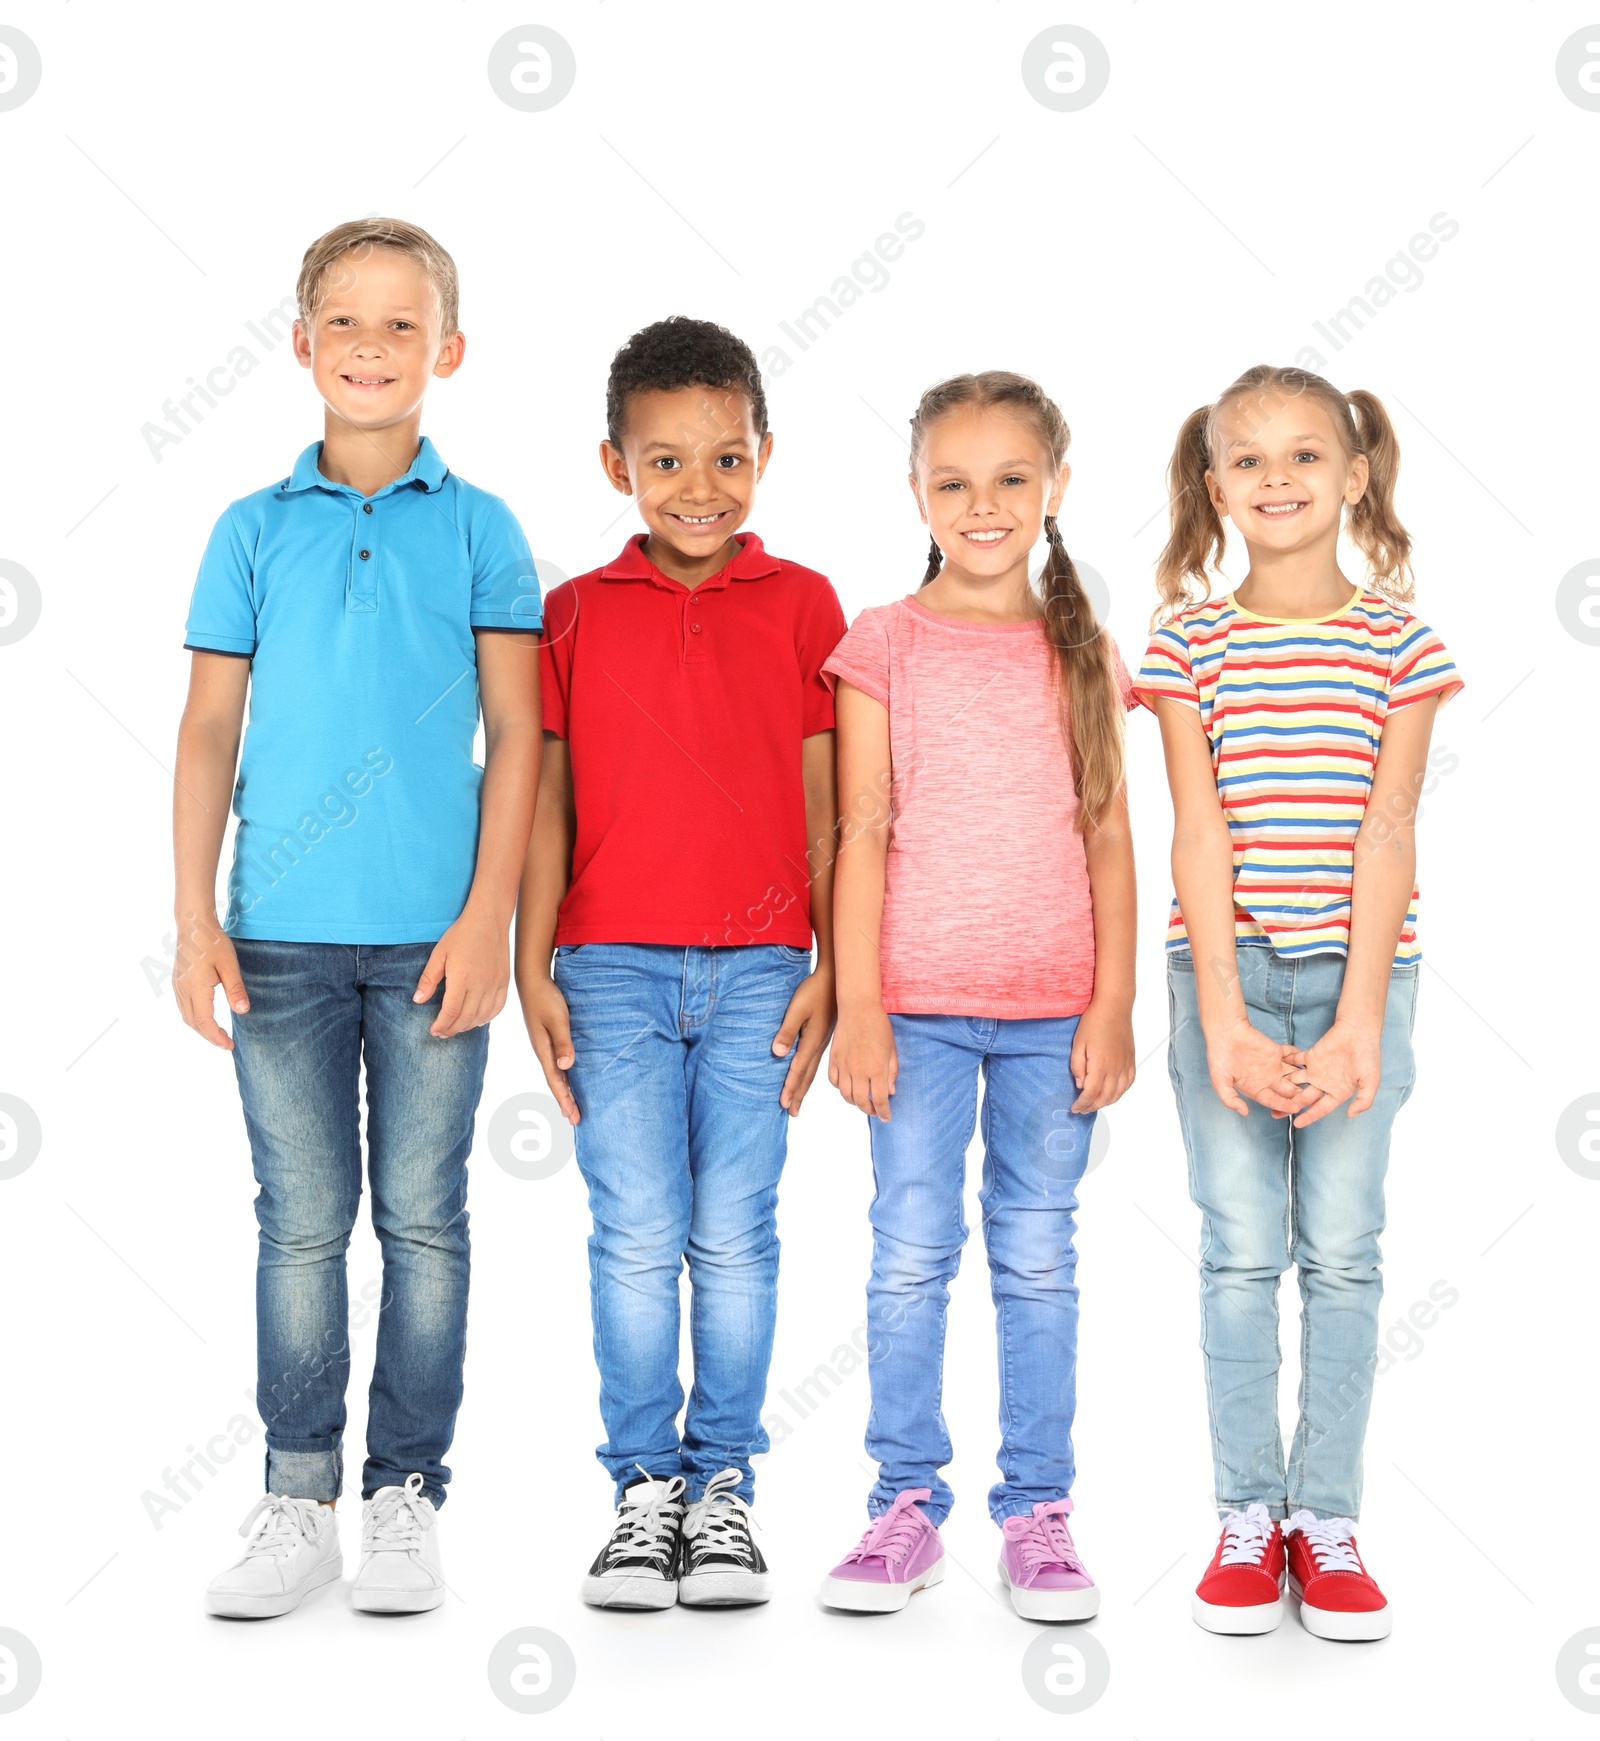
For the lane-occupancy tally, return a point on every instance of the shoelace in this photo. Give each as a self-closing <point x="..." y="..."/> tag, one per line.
<point x="1246" y="1535"/>
<point x="892" y="1537"/>
<point x="278" y="1525"/>
<point x="646" y="1526"/>
<point x="719" y="1522"/>
<point x="1048" y="1542"/>
<point x="396" y="1522"/>
<point x="1330" y="1540"/>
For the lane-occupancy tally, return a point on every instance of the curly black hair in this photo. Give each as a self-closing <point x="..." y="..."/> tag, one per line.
<point x="680" y="352"/>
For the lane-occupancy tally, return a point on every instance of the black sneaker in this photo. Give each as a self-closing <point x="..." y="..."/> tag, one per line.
<point x="718" y="1563"/>
<point x="638" y="1567"/>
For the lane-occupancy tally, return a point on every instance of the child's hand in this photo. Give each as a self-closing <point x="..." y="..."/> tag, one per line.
<point x="810" y="1015"/>
<point x="863" y="1063"/>
<point x="1102" y="1057"/>
<point x="544" y="1009"/>
<point x="473" y="958"/>
<point x="205" y="960"/>
<point x="1346" y="1061"/>
<point x="1243" y="1061"/>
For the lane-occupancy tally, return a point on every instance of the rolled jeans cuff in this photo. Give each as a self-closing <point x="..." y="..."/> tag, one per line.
<point x="305" y="1474"/>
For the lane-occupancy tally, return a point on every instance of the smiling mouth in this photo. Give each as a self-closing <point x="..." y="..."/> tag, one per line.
<point x="1280" y="510"/>
<point x="368" y="382"/>
<point x="988" y="537"/>
<point x="701" y="522"/>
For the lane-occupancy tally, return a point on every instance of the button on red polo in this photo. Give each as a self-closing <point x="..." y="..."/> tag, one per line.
<point x="684" y="710"/>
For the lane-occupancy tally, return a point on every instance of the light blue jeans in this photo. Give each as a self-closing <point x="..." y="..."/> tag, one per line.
<point x="1270" y="1195"/>
<point x="1035" y="1149"/>
<point x="318" y="1013"/>
<point x="681" y="1141"/>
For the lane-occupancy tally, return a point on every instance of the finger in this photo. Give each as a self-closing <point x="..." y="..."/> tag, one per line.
<point x="1314" y="1114"/>
<point x="801" y="1074"/>
<point x="546" y="1048"/>
<point x="785" y="1036"/>
<point x="881" y="1092"/>
<point x="431" y="975"/>
<point x="446" y="1022"/>
<point x="1366" y="1093"/>
<point x="1093" y="1086"/>
<point x="1229" y="1097"/>
<point x="1079" y="1062"/>
<point x="233" y="985"/>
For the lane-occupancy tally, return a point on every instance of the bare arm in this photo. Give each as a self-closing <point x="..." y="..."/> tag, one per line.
<point x="473" y="956"/>
<point x="545" y="876"/>
<point x="808" y="1020"/>
<point x="1346" y="1063"/>
<point x="208" y="756"/>
<point x="1102" y="1050"/>
<point x="1243" y="1060"/>
<point x="863" y="1064"/>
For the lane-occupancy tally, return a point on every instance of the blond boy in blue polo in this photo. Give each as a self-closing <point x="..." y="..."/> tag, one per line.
<point x="372" y="604"/>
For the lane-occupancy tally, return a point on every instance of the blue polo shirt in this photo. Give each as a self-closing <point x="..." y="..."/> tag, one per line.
<point x="357" y="795"/>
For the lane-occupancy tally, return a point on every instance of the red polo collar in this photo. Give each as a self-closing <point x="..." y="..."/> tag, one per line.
<point x="751" y="563"/>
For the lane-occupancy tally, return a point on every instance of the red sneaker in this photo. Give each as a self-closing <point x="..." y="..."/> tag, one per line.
<point x="1339" y="1597"/>
<point x="1242" y="1590"/>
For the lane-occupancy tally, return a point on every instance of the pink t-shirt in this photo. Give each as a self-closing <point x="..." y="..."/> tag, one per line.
<point x="986" y="908"/>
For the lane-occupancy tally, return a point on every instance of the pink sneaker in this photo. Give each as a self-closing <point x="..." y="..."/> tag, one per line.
<point x="1041" y="1566"/>
<point x="900" y="1554"/>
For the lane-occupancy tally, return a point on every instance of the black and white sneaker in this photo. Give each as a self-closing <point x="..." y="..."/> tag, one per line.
<point x="719" y="1564"/>
<point x="638" y="1566"/>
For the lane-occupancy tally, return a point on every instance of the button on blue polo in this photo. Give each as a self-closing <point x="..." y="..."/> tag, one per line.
<point x="357" y="794"/>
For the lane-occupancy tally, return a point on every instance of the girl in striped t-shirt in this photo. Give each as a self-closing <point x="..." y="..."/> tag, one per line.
<point x="1295" y="715"/>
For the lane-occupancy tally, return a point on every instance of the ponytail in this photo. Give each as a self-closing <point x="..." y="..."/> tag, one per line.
<point x="1197" y="538"/>
<point x="1375" y="528"/>
<point x="1080" y="649"/>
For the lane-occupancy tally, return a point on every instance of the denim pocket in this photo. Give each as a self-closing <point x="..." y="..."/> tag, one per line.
<point x="790" y="953"/>
<point x="565" y="951"/>
<point x="1180" y="960"/>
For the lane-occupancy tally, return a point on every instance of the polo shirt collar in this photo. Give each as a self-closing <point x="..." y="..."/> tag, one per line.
<point x="751" y="562"/>
<point x="427" y="469"/>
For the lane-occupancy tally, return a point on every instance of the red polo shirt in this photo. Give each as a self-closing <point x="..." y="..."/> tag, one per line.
<point x="683" y="709"/>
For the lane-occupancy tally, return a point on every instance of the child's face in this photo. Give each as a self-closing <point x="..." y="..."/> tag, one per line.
<point x="1280" y="472"/>
<point x="691" y="458"/>
<point x="984" y="483"/>
<point x="375" y="342"/>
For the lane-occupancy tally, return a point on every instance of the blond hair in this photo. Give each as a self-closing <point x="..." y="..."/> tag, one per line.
<point x="1197" y="539"/>
<point x="1080" y="649"/>
<point x="359" y="237"/>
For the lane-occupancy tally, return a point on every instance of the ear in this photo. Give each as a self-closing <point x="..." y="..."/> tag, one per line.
<point x="451" y="352"/>
<point x="763" y="454"/>
<point x="916" y="491"/>
<point x="301" y="340"/>
<point x="1214" y="495"/>
<point x="1360" y="475"/>
<point x="1058" y="489"/>
<point x="615" y="465"/>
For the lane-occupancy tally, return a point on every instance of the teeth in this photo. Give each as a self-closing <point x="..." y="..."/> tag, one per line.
<point x="698" y="519"/>
<point x="1280" y="507"/>
<point x="986" y="537"/>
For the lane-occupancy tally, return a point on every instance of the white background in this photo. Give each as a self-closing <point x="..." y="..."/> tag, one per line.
<point x="1246" y="173"/>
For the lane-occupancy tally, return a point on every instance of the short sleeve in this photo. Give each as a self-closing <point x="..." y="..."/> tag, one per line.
<point x="505" y="580"/>
<point x="1421" y="667"/>
<point x="222" y="610"/>
<point x="820" y="633"/>
<point x="862" y="657"/>
<point x="1166" y="674"/>
<point x="555" y="658"/>
<point x="1119" y="671"/>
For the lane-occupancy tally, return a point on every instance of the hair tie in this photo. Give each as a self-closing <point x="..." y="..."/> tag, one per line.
<point x="1051" y="530"/>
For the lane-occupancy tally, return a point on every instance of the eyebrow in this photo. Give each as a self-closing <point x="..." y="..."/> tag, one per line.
<point x="734" y="441"/>
<point x="1249" y="441"/>
<point x="1006" y="465"/>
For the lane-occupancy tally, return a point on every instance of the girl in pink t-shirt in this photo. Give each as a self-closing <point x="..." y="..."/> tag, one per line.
<point x="984" y="927"/>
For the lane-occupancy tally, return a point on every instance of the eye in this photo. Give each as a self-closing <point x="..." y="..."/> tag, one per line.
<point x="403" y="325"/>
<point x="665" y="464"/>
<point x="1013" y="479"/>
<point x="1307" y="454"/>
<point x="952" y="484"/>
<point x="340" y="320"/>
<point x="1247" y="461"/>
<point x="727" y="461"/>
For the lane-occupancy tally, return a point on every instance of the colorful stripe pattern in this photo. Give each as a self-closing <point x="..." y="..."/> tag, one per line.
<point x="1295" y="712"/>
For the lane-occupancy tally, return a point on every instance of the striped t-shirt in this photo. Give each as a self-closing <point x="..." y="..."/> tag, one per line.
<point x="1294" y="711"/>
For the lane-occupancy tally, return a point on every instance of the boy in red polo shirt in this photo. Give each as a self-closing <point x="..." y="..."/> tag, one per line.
<point x="681" y="860"/>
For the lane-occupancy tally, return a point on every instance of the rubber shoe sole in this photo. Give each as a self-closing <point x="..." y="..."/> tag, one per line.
<point x="1081" y="1604"/>
<point x="395" y="1601"/>
<point x="232" y="1605"/>
<point x="862" y="1598"/>
<point x="629" y="1592"/>
<point x="1344" y="1624"/>
<point x="1234" y="1620"/>
<point x="732" y="1589"/>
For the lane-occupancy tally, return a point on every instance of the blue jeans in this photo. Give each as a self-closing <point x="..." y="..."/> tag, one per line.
<point x="681" y="1141"/>
<point x="1035" y="1149"/>
<point x="318" y="1011"/>
<point x="1270" y="1195"/>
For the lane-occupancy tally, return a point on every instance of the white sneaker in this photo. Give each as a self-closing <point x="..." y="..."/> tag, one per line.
<point x="293" y="1548"/>
<point x="400" y="1571"/>
<point x="638" y="1566"/>
<point x="720" y="1565"/>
